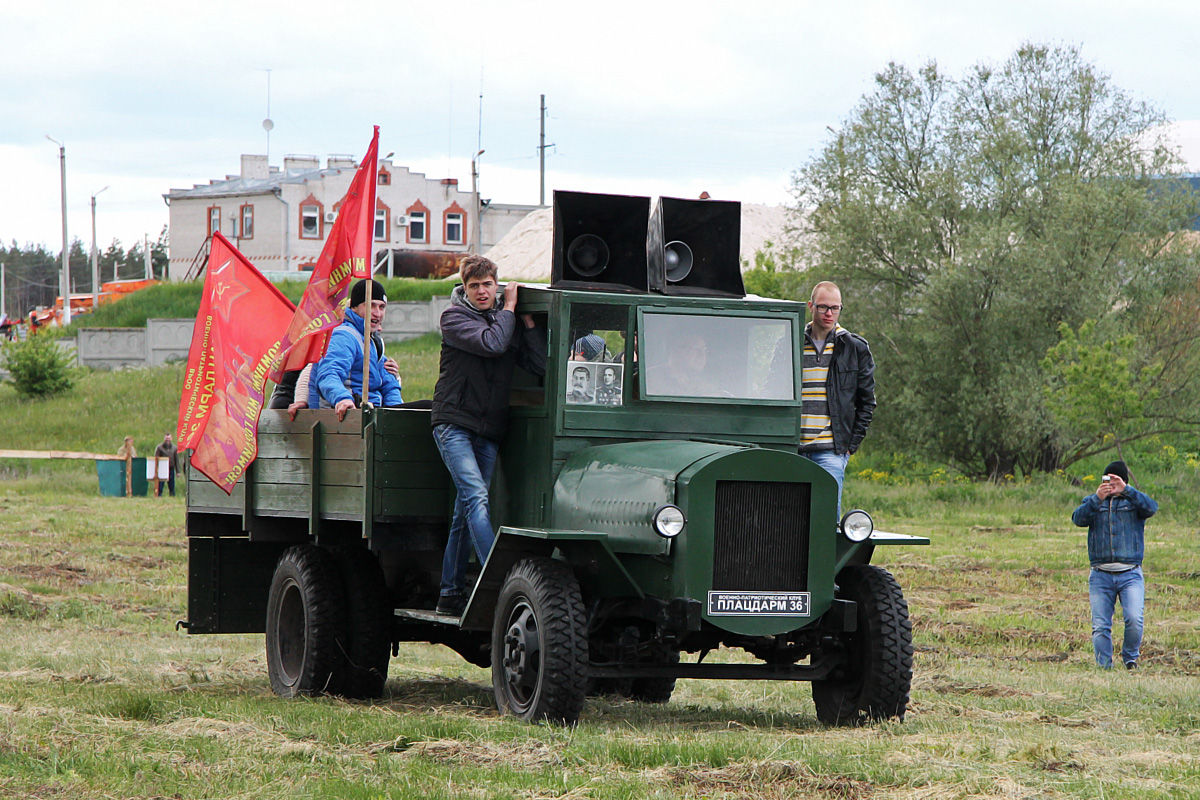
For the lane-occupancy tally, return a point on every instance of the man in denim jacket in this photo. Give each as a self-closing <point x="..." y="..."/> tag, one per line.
<point x="1115" y="517"/>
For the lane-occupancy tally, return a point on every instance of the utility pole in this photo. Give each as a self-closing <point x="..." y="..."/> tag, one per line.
<point x="95" y="258"/>
<point x="475" y="232"/>
<point x="541" y="155"/>
<point x="64" y="281"/>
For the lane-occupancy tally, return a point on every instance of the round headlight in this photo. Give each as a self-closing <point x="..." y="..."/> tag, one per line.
<point x="668" y="521"/>
<point x="857" y="525"/>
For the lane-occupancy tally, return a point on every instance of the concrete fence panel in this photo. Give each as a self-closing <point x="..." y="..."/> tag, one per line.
<point x="165" y="340"/>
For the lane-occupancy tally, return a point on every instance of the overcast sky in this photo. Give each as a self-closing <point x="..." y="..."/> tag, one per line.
<point x="651" y="98"/>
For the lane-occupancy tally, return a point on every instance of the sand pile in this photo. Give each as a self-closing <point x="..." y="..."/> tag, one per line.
<point x="524" y="254"/>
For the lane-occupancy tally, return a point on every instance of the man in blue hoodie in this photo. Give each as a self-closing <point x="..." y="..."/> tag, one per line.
<point x="336" y="380"/>
<point x="482" y="342"/>
<point x="1115" y="517"/>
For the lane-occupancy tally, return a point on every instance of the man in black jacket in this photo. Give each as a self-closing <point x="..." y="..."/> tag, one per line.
<point x="838" y="390"/>
<point x="482" y="341"/>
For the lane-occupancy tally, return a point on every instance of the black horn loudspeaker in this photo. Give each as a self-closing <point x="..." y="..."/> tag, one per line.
<point x="600" y="242"/>
<point x="693" y="247"/>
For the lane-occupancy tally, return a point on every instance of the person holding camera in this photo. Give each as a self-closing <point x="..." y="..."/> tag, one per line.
<point x="1115" y="517"/>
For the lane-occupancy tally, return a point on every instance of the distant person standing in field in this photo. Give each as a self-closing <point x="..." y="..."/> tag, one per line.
<point x="1115" y="517"/>
<point x="127" y="450"/>
<point x="166" y="449"/>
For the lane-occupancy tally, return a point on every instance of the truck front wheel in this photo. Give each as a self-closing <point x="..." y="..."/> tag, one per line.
<point x="306" y="612"/>
<point x="539" y="643"/>
<point x="874" y="683"/>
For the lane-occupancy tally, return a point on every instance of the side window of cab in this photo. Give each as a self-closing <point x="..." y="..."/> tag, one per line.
<point x="529" y="389"/>
<point x="595" y="359"/>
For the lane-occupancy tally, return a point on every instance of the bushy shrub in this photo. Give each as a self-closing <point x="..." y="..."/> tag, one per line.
<point x="38" y="367"/>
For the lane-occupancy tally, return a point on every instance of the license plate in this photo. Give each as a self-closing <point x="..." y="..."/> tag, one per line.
<point x="758" y="604"/>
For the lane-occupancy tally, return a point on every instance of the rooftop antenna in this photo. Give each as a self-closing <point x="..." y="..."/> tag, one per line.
<point x="267" y="123"/>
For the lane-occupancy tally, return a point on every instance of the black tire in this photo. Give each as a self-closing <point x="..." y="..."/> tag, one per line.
<point x="539" y="643"/>
<point x="656" y="690"/>
<point x="368" y="623"/>
<point x="306" y="614"/>
<point x="875" y="682"/>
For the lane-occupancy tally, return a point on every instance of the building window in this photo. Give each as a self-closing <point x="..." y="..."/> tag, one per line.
<point x="416" y="227"/>
<point x="247" y="222"/>
<point x="214" y="220"/>
<point x="310" y="221"/>
<point x="454" y="228"/>
<point x="381" y="228"/>
<point x="385" y="178"/>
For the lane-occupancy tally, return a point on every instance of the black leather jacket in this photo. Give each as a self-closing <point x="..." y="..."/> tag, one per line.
<point x="479" y="351"/>
<point x="850" y="390"/>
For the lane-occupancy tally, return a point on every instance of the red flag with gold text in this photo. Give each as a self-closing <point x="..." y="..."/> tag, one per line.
<point x="347" y="253"/>
<point x="236" y="338"/>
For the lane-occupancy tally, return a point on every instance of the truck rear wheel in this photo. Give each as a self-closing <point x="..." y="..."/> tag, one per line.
<point x="874" y="684"/>
<point x="306" y="614"/>
<point x="539" y="643"/>
<point x="368" y="623"/>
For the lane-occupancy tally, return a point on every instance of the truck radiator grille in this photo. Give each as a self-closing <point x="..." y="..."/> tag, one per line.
<point x="760" y="536"/>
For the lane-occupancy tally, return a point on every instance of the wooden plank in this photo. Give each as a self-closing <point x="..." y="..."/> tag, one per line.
<point x="294" y="470"/>
<point x="277" y="421"/>
<point x="299" y="445"/>
<point x="428" y="476"/>
<point x="402" y="421"/>
<point x="58" y="454"/>
<point x="287" y="497"/>
<point x="417" y="503"/>
<point x="370" y="497"/>
<point x="409" y="447"/>
<point x="314" y="469"/>
<point x="204" y="493"/>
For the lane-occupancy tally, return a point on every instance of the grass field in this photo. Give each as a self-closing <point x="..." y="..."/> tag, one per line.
<point x="100" y="696"/>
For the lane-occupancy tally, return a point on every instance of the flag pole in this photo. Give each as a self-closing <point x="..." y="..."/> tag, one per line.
<point x="366" y="385"/>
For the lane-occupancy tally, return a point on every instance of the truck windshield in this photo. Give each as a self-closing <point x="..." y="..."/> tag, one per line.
<point x="694" y="356"/>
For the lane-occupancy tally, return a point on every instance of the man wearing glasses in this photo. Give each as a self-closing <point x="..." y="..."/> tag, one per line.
<point x="838" y="389"/>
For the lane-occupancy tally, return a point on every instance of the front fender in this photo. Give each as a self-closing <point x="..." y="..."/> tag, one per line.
<point x="587" y="552"/>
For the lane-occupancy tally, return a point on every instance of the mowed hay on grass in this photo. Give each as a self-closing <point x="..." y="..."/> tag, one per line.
<point x="101" y="697"/>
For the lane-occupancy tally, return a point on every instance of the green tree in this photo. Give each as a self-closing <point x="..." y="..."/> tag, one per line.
<point x="1097" y="393"/>
<point x="775" y="273"/>
<point x="965" y="219"/>
<point x="37" y="366"/>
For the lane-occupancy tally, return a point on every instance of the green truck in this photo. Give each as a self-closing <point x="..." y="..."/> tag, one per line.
<point x="648" y="501"/>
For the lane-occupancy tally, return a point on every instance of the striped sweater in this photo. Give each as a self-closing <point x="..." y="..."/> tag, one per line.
<point x="816" y="432"/>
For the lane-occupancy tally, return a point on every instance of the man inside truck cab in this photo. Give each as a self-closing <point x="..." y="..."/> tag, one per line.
<point x="838" y="386"/>
<point x="482" y="343"/>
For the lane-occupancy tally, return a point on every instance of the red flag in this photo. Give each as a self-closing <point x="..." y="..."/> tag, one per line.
<point x="236" y="338"/>
<point x="347" y="253"/>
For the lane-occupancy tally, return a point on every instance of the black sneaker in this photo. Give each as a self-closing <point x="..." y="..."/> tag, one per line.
<point x="451" y="605"/>
<point x="1130" y="665"/>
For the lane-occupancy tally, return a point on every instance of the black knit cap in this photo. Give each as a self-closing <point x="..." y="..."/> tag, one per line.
<point x="358" y="292"/>
<point x="1119" y="469"/>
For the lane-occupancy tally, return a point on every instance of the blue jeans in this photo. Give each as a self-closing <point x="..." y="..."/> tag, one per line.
<point x="470" y="459"/>
<point x="835" y="465"/>
<point x="1104" y="589"/>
